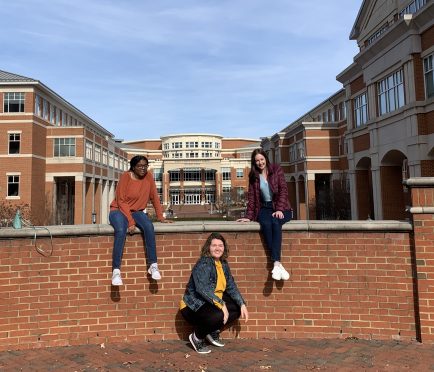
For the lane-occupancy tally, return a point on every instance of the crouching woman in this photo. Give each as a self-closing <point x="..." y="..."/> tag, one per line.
<point x="212" y="298"/>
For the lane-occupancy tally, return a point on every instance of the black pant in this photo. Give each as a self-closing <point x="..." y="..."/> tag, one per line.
<point x="209" y="318"/>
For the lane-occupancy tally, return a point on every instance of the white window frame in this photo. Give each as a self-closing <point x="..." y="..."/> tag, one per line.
<point x="391" y="93"/>
<point x="13" y="98"/>
<point x="62" y="146"/>
<point x="13" y="179"/>
<point x="360" y="109"/>
<point x="14" y="137"/>
<point x="428" y="76"/>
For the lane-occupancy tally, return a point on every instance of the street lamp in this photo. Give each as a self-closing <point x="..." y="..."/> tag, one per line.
<point x="93" y="217"/>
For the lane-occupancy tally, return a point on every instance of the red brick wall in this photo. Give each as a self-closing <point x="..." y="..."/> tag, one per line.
<point x="343" y="284"/>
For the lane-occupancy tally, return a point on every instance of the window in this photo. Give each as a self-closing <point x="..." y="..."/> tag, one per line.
<point x="216" y="145"/>
<point x="413" y="7"/>
<point x="45" y="109"/>
<point x="166" y="146"/>
<point x="37" y="105"/>
<point x="206" y="145"/>
<point x="176" y="145"/>
<point x="13" y="185"/>
<point x="192" y="175"/>
<point x="240" y="173"/>
<point x="14" y="143"/>
<point x="174" y="176"/>
<point x="429" y="76"/>
<point x="105" y="156"/>
<point x="206" y="154"/>
<point x="89" y="150"/>
<point x="158" y="174"/>
<point x="293" y="153"/>
<point x="192" y="144"/>
<point x="192" y="155"/>
<point x="13" y="102"/>
<point x="360" y="110"/>
<point x="209" y="175"/>
<point x="390" y="93"/>
<point x="98" y="153"/>
<point x="300" y="150"/>
<point x="377" y="34"/>
<point x="176" y="155"/>
<point x="64" y="147"/>
<point x="342" y="111"/>
<point x="226" y="172"/>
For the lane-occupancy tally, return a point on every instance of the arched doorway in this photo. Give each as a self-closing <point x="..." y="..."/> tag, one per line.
<point x="392" y="171"/>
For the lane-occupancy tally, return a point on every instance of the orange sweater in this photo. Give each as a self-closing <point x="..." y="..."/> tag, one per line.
<point x="133" y="195"/>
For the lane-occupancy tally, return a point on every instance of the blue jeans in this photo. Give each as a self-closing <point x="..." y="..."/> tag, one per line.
<point x="271" y="228"/>
<point x="120" y="224"/>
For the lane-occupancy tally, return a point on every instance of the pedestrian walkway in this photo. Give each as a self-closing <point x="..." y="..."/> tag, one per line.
<point x="237" y="355"/>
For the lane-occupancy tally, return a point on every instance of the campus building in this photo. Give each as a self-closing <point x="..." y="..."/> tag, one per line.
<point x="54" y="158"/>
<point x="197" y="169"/>
<point x="348" y="157"/>
<point x="312" y="153"/>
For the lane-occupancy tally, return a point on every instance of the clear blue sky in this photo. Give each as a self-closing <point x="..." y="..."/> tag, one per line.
<point x="147" y="68"/>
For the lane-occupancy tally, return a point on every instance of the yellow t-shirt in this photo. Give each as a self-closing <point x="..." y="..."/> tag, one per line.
<point x="219" y="288"/>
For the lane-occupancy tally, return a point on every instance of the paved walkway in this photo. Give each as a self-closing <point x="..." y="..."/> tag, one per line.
<point x="237" y="355"/>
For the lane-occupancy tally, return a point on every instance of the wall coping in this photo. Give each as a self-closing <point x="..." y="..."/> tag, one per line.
<point x="207" y="226"/>
<point x="419" y="181"/>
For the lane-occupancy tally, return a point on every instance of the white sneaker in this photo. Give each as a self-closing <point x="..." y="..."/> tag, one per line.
<point x="276" y="273"/>
<point x="116" y="277"/>
<point x="285" y="274"/>
<point x="153" y="270"/>
<point x="279" y="272"/>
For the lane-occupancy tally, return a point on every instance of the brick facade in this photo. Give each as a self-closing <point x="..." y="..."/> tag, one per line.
<point x="343" y="284"/>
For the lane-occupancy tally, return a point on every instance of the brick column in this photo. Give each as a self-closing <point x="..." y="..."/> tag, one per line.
<point x="422" y="211"/>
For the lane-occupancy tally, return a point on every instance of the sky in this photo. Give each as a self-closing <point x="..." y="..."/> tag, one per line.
<point x="149" y="68"/>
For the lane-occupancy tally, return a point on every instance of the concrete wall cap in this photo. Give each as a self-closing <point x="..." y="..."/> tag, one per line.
<point x="419" y="181"/>
<point x="206" y="226"/>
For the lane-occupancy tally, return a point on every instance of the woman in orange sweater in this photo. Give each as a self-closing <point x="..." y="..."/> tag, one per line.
<point x="135" y="188"/>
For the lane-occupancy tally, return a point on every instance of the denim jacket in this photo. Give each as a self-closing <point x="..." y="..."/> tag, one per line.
<point x="203" y="280"/>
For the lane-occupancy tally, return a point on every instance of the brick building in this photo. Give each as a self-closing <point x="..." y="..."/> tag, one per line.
<point x="387" y="134"/>
<point x="312" y="153"/>
<point x="54" y="158"/>
<point x="197" y="169"/>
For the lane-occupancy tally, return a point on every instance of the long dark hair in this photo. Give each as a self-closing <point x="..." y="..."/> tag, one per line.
<point x="135" y="159"/>
<point x="205" y="249"/>
<point x="254" y="171"/>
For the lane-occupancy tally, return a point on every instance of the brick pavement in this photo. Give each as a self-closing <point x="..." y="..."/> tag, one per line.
<point x="237" y="355"/>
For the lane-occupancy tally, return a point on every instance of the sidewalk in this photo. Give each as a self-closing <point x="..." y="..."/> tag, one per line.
<point x="237" y="355"/>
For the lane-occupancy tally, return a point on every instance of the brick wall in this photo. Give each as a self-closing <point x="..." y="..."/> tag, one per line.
<point x="354" y="282"/>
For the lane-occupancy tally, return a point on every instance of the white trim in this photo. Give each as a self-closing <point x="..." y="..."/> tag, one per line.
<point x="49" y="177"/>
<point x="22" y="156"/>
<point x="64" y="159"/>
<point x="15" y="131"/>
<point x="66" y="135"/>
<point x="13" y="173"/>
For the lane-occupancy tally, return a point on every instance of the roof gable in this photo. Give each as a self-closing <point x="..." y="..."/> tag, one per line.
<point x="373" y="14"/>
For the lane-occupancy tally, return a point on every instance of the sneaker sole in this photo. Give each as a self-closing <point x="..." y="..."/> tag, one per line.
<point x="212" y="342"/>
<point x="190" y="338"/>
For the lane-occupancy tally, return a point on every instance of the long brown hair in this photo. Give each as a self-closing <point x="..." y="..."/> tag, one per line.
<point x="205" y="249"/>
<point x="254" y="171"/>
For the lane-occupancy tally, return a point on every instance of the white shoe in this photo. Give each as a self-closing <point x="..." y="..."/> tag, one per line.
<point x="153" y="270"/>
<point x="116" y="277"/>
<point x="279" y="272"/>
<point x="285" y="274"/>
<point x="276" y="273"/>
